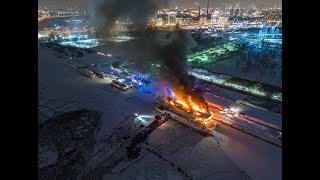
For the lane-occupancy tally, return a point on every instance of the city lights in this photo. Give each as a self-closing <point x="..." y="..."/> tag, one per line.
<point x="212" y="54"/>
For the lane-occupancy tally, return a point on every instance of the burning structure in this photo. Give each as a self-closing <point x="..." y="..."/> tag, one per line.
<point x="185" y="110"/>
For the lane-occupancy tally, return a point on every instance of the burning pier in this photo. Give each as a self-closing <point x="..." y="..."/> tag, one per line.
<point x="186" y="111"/>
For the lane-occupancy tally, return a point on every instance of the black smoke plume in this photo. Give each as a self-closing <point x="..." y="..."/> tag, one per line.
<point x="171" y="47"/>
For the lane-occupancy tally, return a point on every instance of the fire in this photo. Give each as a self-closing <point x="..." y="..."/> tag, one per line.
<point x="186" y="103"/>
<point x="196" y="107"/>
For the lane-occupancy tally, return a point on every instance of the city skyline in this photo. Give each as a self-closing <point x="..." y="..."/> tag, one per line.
<point x="172" y="4"/>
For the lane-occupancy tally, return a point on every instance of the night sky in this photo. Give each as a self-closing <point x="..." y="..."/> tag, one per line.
<point x="173" y="3"/>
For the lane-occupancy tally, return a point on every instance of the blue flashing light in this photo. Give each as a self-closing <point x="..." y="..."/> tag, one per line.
<point x="170" y="92"/>
<point x="140" y="80"/>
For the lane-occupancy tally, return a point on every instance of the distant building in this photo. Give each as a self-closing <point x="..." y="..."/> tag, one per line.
<point x="231" y="12"/>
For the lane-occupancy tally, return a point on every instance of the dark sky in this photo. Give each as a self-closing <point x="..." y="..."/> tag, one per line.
<point x="173" y="3"/>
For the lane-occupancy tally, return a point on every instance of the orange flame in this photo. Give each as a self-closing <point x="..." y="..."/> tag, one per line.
<point x="194" y="107"/>
<point x="185" y="105"/>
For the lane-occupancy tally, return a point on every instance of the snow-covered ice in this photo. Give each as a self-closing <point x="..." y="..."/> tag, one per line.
<point x="172" y="151"/>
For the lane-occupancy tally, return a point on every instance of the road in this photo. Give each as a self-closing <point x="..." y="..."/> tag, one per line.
<point x="268" y="117"/>
<point x="268" y="134"/>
